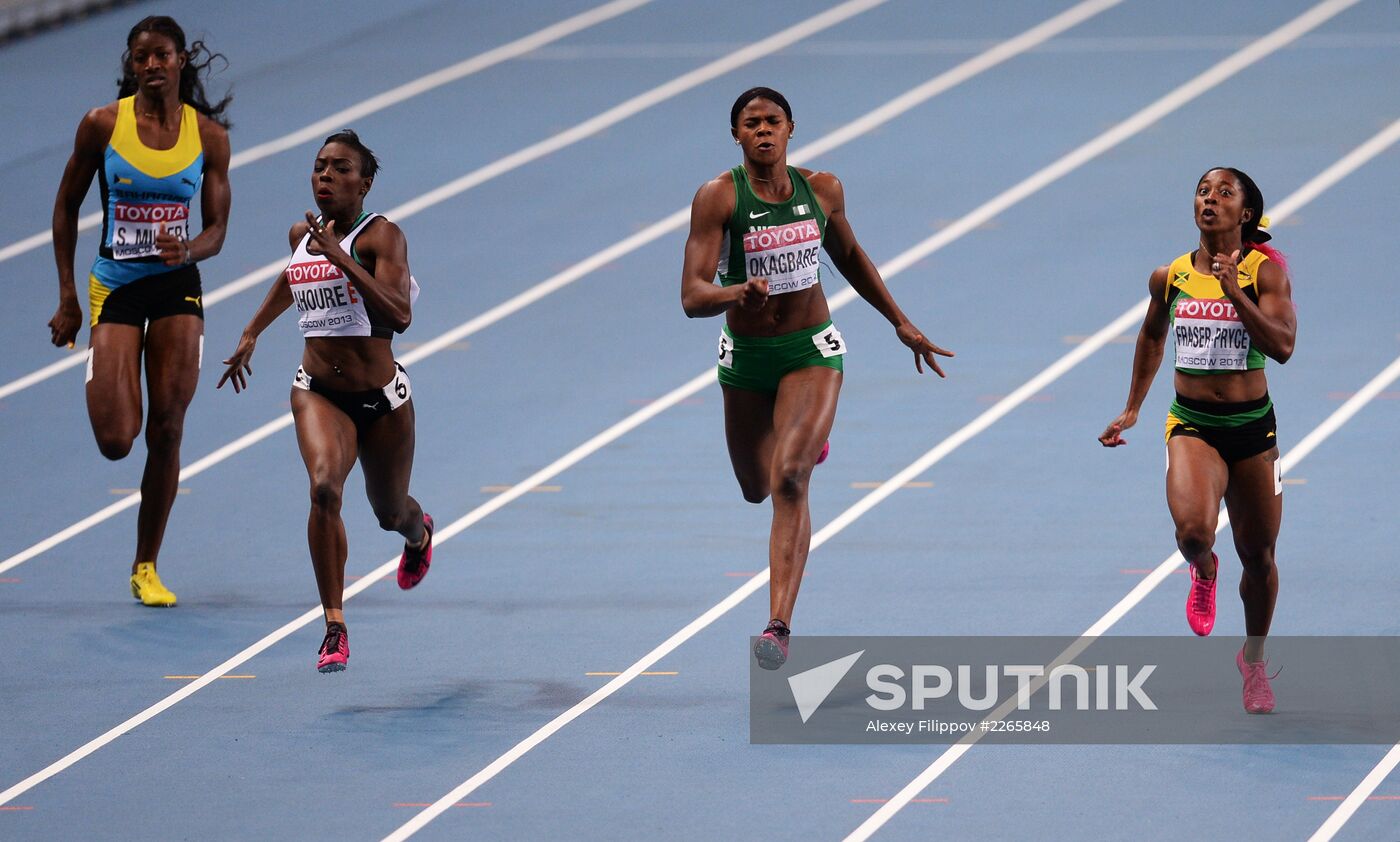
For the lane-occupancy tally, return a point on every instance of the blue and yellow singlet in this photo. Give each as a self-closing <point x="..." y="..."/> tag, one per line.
<point x="144" y="192"/>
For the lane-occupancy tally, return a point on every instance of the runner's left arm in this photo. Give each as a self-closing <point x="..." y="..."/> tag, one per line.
<point x="215" y="196"/>
<point x="1273" y="322"/>
<point x="858" y="269"/>
<point x="383" y="245"/>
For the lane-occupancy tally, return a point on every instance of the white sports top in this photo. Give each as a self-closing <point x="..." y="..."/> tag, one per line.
<point x="327" y="300"/>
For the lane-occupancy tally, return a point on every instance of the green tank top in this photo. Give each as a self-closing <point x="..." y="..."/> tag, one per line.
<point x="779" y="241"/>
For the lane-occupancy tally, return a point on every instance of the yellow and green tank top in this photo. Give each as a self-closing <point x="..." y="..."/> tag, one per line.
<point x="144" y="192"/>
<point x="1210" y="338"/>
<point x="779" y="241"/>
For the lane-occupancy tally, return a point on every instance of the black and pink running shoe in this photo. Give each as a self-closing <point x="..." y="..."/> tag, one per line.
<point x="413" y="564"/>
<point x="335" y="649"/>
<point x="1200" y="601"/>
<point x="771" y="648"/>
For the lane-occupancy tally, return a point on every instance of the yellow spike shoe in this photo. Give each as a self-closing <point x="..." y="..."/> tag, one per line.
<point x="147" y="587"/>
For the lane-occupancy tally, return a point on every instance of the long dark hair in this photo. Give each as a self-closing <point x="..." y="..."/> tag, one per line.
<point x="198" y="58"/>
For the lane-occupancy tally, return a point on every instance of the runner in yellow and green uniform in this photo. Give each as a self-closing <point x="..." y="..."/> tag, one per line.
<point x="764" y="225"/>
<point x="1228" y="305"/>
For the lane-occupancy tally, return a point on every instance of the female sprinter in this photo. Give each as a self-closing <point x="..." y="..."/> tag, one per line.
<point x="1229" y="305"/>
<point x="156" y="147"/>
<point x="349" y="279"/>
<point x="763" y="223"/>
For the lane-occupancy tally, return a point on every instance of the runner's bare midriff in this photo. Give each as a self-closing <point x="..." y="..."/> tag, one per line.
<point x="349" y="363"/>
<point x="781" y="314"/>
<point x="1223" y="386"/>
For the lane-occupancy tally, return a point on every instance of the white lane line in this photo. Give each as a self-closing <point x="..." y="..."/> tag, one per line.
<point x="1358" y="796"/>
<point x="1126" y="604"/>
<point x="878" y="117"/>
<point x="1136" y="44"/>
<point x="1368" y="785"/>
<point x="971" y="221"/>
<point x="540" y="477"/>
<point x="379" y="102"/>
<point x="533" y="152"/>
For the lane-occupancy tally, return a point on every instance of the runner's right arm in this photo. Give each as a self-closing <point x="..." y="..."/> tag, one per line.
<point x="1147" y="358"/>
<point x="278" y="299"/>
<point x="700" y="295"/>
<point x="93" y="133"/>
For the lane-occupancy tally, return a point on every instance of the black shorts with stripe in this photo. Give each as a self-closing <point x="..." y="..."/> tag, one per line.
<point x="174" y="293"/>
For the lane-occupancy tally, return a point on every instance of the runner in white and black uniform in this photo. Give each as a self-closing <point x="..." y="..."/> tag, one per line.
<point x="350" y="399"/>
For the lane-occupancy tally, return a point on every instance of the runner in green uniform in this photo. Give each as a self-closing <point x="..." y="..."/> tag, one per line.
<point x="1228" y="305"/>
<point x="764" y="223"/>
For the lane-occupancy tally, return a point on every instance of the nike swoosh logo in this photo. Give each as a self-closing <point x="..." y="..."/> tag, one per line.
<point x="194" y="300"/>
<point x="370" y="406"/>
<point x="753" y="215"/>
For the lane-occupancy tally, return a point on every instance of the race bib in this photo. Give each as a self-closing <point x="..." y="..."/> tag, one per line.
<point x="787" y="255"/>
<point x="1209" y="335"/>
<point x="726" y="350"/>
<point x="328" y="302"/>
<point x="135" y="226"/>
<point x="829" y="342"/>
<point x="399" y="389"/>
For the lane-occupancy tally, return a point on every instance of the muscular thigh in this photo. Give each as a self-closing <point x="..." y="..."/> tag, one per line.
<point x="748" y="429"/>
<point x="1255" y="500"/>
<point x="325" y="436"/>
<point x="114" y="374"/>
<point x="386" y="454"/>
<point x="1196" y="481"/>
<point x="805" y="410"/>
<point x="174" y="345"/>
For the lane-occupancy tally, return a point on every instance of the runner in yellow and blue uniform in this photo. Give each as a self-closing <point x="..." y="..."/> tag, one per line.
<point x="763" y="224"/>
<point x="156" y="148"/>
<point x="1228" y="305"/>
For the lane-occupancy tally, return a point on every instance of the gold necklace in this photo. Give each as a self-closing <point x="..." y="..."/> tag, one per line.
<point x="753" y="177"/>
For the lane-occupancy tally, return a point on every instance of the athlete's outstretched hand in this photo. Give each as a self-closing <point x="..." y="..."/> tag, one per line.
<point x="239" y="367"/>
<point x="753" y="294"/>
<point x="63" y="327"/>
<point x="923" y="349"/>
<point x="325" y="240"/>
<point x="1112" y="435"/>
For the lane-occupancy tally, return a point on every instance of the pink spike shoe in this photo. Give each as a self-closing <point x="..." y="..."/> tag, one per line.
<point x="1200" y="601"/>
<point x="1258" y="695"/>
<point x="771" y="648"/>
<point x="413" y="564"/>
<point x="826" y="451"/>
<point x="335" y="649"/>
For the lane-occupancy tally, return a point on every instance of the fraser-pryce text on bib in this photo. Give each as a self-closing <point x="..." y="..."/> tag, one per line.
<point x="1209" y="335"/>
